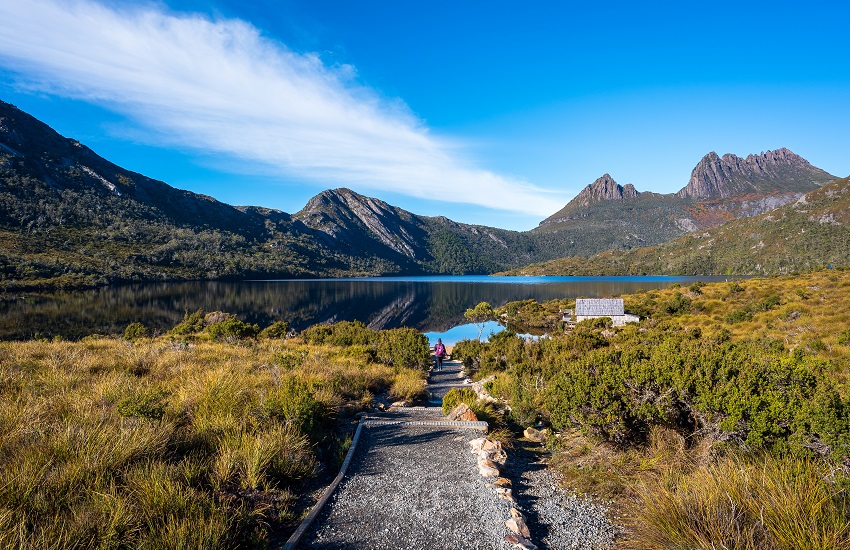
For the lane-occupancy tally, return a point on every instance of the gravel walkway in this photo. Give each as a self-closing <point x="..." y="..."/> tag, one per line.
<point x="418" y="487"/>
<point x="441" y="381"/>
<point x="557" y="518"/>
<point x="412" y="488"/>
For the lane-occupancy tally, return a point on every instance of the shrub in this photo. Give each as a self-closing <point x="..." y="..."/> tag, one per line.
<point x="232" y="329"/>
<point x="294" y="406"/>
<point x="192" y="323"/>
<point x="468" y="352"/>
<point x="844" y="338"/>
<point x="134" y="331"/>
<point x="344" y="333"/>
<point x="745" y="392"/>
<point x="144" y="404"/>
<point x="598" y="322"/>
<point x="404" y="347"/>
<point x="278" y="330"/>
<point x="677" y="305"/>
<point x="696" y="288"/>
<point x="739" y="316"/>
<point x="456" y="396"/>
<point x="769" y="302"/>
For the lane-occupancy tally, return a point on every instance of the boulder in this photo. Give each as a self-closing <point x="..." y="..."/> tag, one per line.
<point x="487" y="468"/>
<point x="518" y="526"/>
<point x="499" y="457"/>
<point x="462" y="413"/>
<point x="400" y="404"/>
<point x="500" y="482"/>
<point x="487" y="471"/>
<point x="538" y="436"/>
<point x="490" y="445"/>
<point x="477" y="444"/>
<point x="520" y="541"/>
<point x="517" y="514"/>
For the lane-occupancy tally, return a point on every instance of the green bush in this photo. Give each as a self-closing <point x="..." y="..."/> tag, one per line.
<point x="344" y="333"/>
<point x="293" y="405"/>
<point x="739" y="316"/>
<point x="134" y="331"/>
<point x="769" y="303"/>
<point x="456" y="396"/>
<point x="677" y="305"/>
<point x="749" y="392"/>
<point x="232" y="329"/>
<point x="404" y="347"/>
<point x="468" y="352"/>
<point x="844" y="338"/>
<point x="696" y="288"/>
<point x="192" y="323"/>
<point x="278" y="329"/>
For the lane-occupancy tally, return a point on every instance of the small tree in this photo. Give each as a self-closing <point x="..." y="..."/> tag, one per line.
<point x="480" y="315"/>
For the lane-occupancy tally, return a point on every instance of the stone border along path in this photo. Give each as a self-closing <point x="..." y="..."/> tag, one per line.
<point x="412" y="485"/>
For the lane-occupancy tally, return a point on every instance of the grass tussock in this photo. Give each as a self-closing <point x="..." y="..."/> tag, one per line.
<point x="749" y="503"/>
<point x="169" y="442"/>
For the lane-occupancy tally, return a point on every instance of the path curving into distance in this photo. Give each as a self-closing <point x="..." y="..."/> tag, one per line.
<point x="413" y="485"/>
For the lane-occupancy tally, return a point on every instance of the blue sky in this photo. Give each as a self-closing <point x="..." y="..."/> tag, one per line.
<point x="489" y="112"/>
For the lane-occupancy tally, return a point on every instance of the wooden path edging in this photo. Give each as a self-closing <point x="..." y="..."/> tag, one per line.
<point x="295" y="538"/>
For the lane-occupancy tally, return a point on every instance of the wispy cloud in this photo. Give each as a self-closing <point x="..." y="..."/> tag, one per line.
<point x="219" y="85"/>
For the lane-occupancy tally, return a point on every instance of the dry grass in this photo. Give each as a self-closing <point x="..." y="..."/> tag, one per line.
<point x="748" y="503"/>
<point x="672" y="495"/>
<point x="166" y="444"/>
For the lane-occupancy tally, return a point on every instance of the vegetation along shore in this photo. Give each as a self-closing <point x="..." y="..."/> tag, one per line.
<point x="719" y="419"/>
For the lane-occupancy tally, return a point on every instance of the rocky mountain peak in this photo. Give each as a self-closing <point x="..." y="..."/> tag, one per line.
<point x="770" y="171"/>
<point x="604" y="189"/>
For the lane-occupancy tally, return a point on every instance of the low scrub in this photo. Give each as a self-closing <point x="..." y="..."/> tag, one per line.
<point x="720" y="421"/>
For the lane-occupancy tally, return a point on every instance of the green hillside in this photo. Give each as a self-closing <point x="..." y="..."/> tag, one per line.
<point x="808" y="234"/>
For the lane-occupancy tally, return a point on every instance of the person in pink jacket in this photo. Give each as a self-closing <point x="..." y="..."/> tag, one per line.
<point x="439" y="353"/>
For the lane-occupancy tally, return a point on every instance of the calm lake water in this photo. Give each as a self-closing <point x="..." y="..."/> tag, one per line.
<point x="430" y="304"/>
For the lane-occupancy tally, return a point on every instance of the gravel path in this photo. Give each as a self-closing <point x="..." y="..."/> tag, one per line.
<point x="412" y="488"/>
<point x="441" y="381"/>
<point x="557" y="518"/>
<point x="418" y="487"/>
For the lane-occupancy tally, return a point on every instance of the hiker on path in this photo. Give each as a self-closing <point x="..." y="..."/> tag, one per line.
<point x="439" y="353"/>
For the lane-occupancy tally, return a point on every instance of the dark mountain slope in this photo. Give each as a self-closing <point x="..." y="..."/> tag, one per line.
<point x="366" y="227"/>
<point x="812" y="232"/>
<point x="69" y="217"/>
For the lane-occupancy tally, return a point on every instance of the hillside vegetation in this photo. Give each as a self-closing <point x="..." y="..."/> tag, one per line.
<point x="207" y="437"/>
<point x="721" y="419"/>
<point x="69" y="218"/>
<point x="811" y="233"/>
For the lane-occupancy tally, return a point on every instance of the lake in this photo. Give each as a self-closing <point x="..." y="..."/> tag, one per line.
<point x="430" y="304"/>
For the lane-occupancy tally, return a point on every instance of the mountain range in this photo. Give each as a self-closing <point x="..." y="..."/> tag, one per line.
<point x="71" y="218"/>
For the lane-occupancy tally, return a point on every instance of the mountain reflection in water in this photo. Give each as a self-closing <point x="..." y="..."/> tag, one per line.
<point x="425" y="303"/>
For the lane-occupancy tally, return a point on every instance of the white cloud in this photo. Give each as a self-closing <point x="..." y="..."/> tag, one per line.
<point x="220" y="86"/>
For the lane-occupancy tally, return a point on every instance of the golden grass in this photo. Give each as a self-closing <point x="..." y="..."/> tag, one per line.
<point x="734" y="502"/>
<point x="167" y="444"/>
